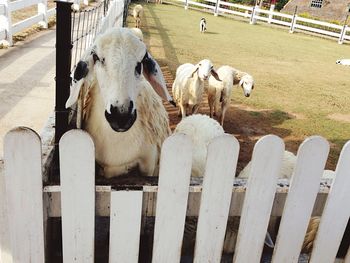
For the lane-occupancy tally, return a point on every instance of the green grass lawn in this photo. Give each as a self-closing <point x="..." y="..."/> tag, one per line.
<point x="295" y="74"/>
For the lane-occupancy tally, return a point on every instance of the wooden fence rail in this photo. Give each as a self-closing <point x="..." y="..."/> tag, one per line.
<point x="29" y="205"/>
<point x="254" y="14"/>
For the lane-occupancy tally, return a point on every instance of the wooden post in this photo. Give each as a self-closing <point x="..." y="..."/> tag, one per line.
<point x="216" y="11"/>
<point x="294" y="20"/>
<point x="252" y="20"/>
<point x="6" y="22"/>
<point x="272" y="8"/>
<point x="186" y="4"/>
<point x="42" y="9"/>
<point x="343" y="32"/>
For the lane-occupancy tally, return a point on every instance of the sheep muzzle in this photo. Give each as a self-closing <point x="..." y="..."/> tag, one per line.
<point x="121" y="120"/>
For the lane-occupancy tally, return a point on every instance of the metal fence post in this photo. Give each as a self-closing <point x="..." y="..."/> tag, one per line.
<point x="42" y="9"/>
<point x="294" y="20"/>
<point x="63" y="66"/>
<point x="6" y="22"/>
<point x="217" y="5"/>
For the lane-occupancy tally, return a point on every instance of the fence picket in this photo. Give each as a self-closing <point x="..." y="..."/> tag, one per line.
<point x="77" y="165"/>
<point x="336" y="212"/>
<point x="173" y="187"/>
<point x="125" y="225"/>
<point x="304" y="186"/>
<point x="22" y="156"/>
<point x="216" y="197"/>
<point x="260" y="193"/>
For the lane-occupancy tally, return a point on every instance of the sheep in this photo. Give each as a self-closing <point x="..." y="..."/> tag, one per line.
<point x="137" y="32"/>
<point x="138" y="13"/>
<point x="201" y="129"/>
<point x="221" y="91"/>
<point x="116" y="85"/>
<point x="286" y="172"/>
<point x="188" y="86"/>
<point x="202" y="25"/>
<point x="344" y="62"/>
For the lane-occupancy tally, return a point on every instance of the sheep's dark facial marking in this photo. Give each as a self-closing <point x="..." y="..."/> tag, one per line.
<point x="138" y="69"/>
<point x="81" y="71"/>
<point x="149" y="65"/>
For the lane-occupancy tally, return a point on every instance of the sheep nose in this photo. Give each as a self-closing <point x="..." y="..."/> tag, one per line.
<point x="205" y="77"/>
<point x="247" y="95"/>
<point x="121" y="118"/>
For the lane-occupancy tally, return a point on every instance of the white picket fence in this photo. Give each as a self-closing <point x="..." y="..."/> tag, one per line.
<point x="254" y="14"/>
<point x="77" y="200"/>
<point x="7" y="29"/>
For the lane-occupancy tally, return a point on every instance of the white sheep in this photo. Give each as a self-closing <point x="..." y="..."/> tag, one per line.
<point x="201" y="129"/>
<point x="188" y="86"/>
<point x="220" y="92"/>
<point x="138" y="13"/>
<point x="344" y="62"/>
<point x="115" y="85"/>
<point x="137" y="32"/>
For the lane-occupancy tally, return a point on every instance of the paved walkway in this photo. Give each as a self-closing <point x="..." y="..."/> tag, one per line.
<point x="27" y="91"/>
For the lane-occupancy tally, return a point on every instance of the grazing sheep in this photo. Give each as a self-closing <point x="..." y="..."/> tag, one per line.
<point x="202" y="25"/>
<point x="201" y="129"/>
<point x="188" y="86"/>
<point x="287" y="169"/>
<point x="116" y="85"/>
<point x="137" y="13"/>
<point x="221" y="91"/>
<point x="344" y="62"/>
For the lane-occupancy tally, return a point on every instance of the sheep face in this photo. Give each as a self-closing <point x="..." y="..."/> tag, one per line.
<point x="204" y="69"/>
<point x="247" y="84"/>
<point x="118" y="62"/>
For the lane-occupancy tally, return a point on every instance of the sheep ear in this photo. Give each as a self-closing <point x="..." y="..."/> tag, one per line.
<point x="154" y="75"/>
<point x="215" y="75"/>
<point x="80" y="73"/>
<point x="195" y="70"/>
<point x="241" y="83"/>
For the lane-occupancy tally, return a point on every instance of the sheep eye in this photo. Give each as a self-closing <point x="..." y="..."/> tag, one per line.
<point x="138" y="68"/>
<point x="95" y="57"/>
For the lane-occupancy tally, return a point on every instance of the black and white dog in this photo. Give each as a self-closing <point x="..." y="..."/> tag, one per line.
<point x="202" y="25"/>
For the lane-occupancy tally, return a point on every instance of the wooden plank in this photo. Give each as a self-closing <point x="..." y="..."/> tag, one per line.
<point x="261" y="187"/>
<point x="5" y="240"/>
<point x="20" y="4"/>
<point x="311" y="160"/>
<point x="150" y="198"/>
<point x="173" y="186"/>
<point x="26" y="23"/>
<point x="336" y="212"/>
<point x="51" y="12"/>
<point x="22" y="158"/>
<point x="125" y="225"/>
<point x="216" y="197"/>
<point x="77" y="165"/>
<point x="316" y="30"/>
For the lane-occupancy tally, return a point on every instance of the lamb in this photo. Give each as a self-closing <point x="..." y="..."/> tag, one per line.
<point x="344" y="62"/>
<point x="201" y="129"/>
<point x="188" y="86"/>
<point x="202" y="25"/>
<point x="221" y="92"/>
<point x="138" y="13"/>
<point x="116" y="85"/>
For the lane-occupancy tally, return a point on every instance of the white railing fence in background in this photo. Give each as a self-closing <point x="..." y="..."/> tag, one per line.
<point x="255" y="14"/>
<point x="77" y="200"/>
<point x="7" y="7"/>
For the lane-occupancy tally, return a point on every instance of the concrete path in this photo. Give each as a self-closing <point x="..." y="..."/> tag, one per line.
<point x="27" y="91"/>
